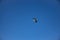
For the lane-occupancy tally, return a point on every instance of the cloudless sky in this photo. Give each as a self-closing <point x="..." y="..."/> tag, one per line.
<point x="16" y="21"/>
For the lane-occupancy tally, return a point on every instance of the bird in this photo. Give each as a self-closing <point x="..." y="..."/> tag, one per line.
<point x="35" y="20"/>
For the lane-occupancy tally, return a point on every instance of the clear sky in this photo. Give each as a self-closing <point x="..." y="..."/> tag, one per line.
<point x="16" y="21"/>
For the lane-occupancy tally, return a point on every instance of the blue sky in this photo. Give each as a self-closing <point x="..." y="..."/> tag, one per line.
<point x="17" y="24"/>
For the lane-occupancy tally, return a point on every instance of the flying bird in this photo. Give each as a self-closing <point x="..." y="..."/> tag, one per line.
<point x="35" y="20"/>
